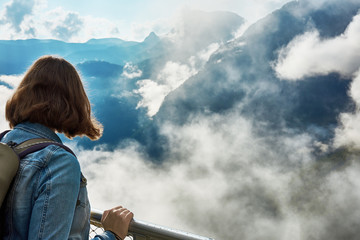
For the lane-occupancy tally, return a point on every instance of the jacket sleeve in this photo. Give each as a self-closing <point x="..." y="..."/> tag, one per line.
<point x="55" y="197"/>
<point x="105" y="236"/>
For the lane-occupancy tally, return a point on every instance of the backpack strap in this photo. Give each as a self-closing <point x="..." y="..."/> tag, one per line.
<point x="34" y="145"/>
<point x="37" y="144"/>
<point x="3" y="134"/>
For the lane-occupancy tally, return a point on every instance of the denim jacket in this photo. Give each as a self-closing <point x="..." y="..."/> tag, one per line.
<point x="48" y="198"/>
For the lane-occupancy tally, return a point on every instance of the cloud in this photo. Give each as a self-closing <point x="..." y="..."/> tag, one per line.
<point x="310" y="55"/>
<point x="250" y="10"/>
<point x="30" y="19"/>
<point x="65" y="25"/>
<point x="171" y="77"/>
<point x="140" y="30"/>
<point x="72" y="27"/>
<point x="348" y="132"/>
<point x="202" y="155"/>
<point x="11" y="82"/>
<point x="173" y="74"/>
<point x="16" y="11"/>
<point x="152" y="94"/>
<point x="24" y="19"/>
<point x="96" y="27"/>
<point x="224" y="181"/>
<point x="131" y="71"/>
<point x="5" y="93"/>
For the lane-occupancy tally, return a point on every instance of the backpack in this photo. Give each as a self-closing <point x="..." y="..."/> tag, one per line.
<point x="10" y="155"/>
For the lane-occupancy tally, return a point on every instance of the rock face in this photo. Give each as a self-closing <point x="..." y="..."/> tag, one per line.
<point x="240" y="76"/>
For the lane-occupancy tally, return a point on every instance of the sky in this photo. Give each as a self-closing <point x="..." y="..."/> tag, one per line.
<point x="79" y="21"/>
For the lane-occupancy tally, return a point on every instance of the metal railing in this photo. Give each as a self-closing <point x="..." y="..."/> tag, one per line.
<point x="140" y="230"/>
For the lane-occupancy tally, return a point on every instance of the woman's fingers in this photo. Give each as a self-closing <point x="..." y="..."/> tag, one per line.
<point x="104" y="215"/>
<point x="117" y="220"/>
<point x="128" y="214"/>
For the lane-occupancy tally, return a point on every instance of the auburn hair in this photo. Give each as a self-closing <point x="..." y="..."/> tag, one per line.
<point x="51" y="93"/>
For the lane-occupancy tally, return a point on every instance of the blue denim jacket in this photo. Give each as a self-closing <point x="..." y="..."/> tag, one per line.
<point x="48" y="198"/>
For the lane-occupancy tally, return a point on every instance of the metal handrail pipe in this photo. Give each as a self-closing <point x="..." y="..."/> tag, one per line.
<point x="151" y="231"/>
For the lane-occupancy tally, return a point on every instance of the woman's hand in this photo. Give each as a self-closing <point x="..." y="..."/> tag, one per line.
<point x="117" y="220"/>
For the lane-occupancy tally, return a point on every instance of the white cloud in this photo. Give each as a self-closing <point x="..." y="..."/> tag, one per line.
<point x="173" y="75"/>
<point x="25" y="19"/>
<point x="240" y="31"/>
<point x="250" y="10"/>
<point x="6" y="93"/>
<point x="348" y="133"/>
<point x="32" y="21"/>
<point x="64" y="25"/>
<point x="15" y="12"/>
<point x="131" y="71"/>
<point x="219" y="173"/>
<point x="17" y="19"/>
<point x="152" y="94"/>
<point x="72" y="27"/>
<point x="309" y="55"/>
<point x="94" y="27"/>
<point x="212" y="159"/>
<point x="205" y="54"/>
<point x="170" y="11"/>
<point x="12" y="80"/>
<point x="140" y="30"/>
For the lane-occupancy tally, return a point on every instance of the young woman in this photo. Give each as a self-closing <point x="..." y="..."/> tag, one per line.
<point x="48" y="198"/>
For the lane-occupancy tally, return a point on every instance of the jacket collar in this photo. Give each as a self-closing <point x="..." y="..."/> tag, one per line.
<point x="39" y="129"/>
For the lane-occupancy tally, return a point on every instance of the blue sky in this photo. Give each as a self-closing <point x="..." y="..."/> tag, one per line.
<point x="78" y="21"/>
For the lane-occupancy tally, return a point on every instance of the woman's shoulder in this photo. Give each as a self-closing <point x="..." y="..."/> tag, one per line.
<point x="62" y="165"/>
<point x="52" y="158"/>
<point x="60" y="155"/>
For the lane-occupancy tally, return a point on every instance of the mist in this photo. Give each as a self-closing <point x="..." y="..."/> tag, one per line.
<point x="7" y="85"/>
<point x="234" y="168"/>
<point x="222" y="180"/>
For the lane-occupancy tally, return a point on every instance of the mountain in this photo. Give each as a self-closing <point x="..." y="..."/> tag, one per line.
<point x="238" y="77"/>
<point x="19" y="54"/>
<point x="111" y="41"/>
<point x="199" y="29"/>
<point x="103" y="64"/>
